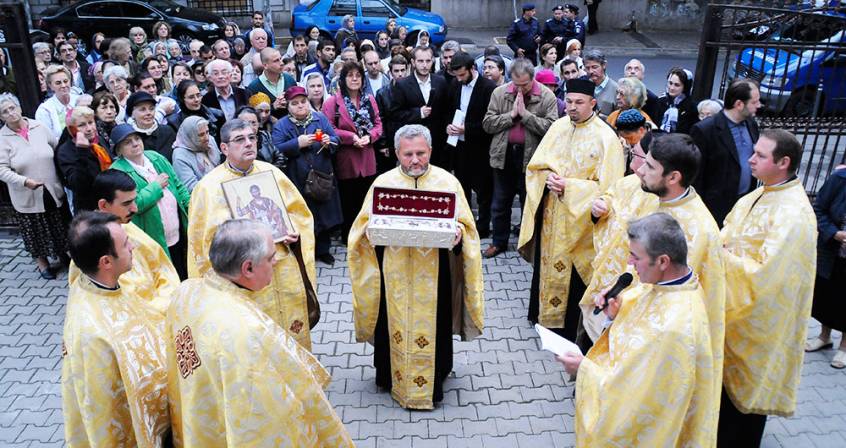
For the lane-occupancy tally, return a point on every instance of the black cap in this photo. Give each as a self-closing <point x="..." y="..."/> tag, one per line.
<point x="528" y="6"/>
<point x="579" y="85"/>
<point x="557" y="8"/>
<point x="136" y="99"/>
<point x="573" y="8"/>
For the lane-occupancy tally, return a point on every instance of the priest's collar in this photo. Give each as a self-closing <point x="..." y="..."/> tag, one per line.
<point x="94" y="286"/>
<point x="224" y="284"/>
<point x="789" y="182"/>
<point x="239" y="171"/>
<point x="678" y="281"/>
<point x="586" y="122"/>
<point x="678" y="198"/>
<point x="416" y="178"/>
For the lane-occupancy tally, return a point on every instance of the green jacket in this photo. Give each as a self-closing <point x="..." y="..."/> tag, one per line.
<point x="148" y="217"/>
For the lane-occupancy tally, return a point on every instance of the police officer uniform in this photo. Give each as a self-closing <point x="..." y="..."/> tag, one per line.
<point x="522" y="34"/>
<point x="565" y="28"/>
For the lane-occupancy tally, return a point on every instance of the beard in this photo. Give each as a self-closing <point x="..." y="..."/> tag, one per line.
<point x="658" y="190"/>
<point x="415" y="172"/>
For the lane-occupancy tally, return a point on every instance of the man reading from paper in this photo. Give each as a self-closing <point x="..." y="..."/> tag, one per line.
<point x="664" y="185"/>
<point x="285" y="299"/>
<point x="114" y="377"/>
<point x="409" y="301"/>
<point x="237" y="378"/>
<point x="152" y="278"/>
<point x="579" y="158"/>
<point x="770" y="240"/>
<point x="648" y="381"/>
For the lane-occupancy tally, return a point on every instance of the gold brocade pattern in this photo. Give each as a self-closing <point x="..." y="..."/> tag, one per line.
<point x="649" y="380"/>
<point x="114" y="376"/>
<point x="284" y="300"/>
<point x="590" y="158"/>
<point x="412" y="309"/>
<point x="770" y="240"/>
<point x="255" y="387"/>
<point x="152" y="278"/>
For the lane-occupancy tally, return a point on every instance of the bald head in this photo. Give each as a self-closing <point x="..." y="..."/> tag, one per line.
<point x="634" y="69"/>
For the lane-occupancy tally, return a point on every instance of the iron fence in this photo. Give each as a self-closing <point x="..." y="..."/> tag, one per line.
<point x="225" y="8"/>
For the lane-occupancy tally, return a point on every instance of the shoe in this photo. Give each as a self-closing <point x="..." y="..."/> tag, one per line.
<point x="515" y="230"/>
<point x="326" y="258"/>
<point x="492" y="251"/>
<point x="46" y="274"/>
<point x="817" y="344"/>
<point x="839" y="360"/>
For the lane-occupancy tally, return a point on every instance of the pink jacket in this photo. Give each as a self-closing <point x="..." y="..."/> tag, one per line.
<point x="352" y="162"/>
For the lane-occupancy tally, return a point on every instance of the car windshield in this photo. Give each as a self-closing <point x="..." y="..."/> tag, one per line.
<point x="394" y="4"/>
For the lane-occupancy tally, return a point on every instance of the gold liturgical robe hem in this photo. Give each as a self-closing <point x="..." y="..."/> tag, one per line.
<point x="114" y="375"/>
<point x="152" y="279"/>
<point x="285" y="299"/>
<point x="411" y="289"/>
<point x="590" y="158"/>
<point x="238" y="379"/>
<point x="648" y="381"/>
<point x="770" y="253"/>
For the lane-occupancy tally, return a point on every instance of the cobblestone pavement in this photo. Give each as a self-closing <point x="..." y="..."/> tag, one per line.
<point x="504" y="390"/>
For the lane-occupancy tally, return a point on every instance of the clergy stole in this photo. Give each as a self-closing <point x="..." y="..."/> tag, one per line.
<point x="114" y="376"/>
<point x="411" y="290"/>
<point x="649" y="380"/>
<point x="590" y="158"/>
<point x="284" y="300"/>
<point x="770" y="240"/>
<point x="239" y="379"/>
<point x="153" y="279"/>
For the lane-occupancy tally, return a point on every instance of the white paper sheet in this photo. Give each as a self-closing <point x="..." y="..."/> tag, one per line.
<point x="457" y="120"/>
<point x="554" y="343"/>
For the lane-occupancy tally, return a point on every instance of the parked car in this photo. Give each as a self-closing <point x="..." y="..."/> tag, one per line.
<point x="114" y="18"/>
<point x="804" y="79"/>
<point x="370" y="17"/>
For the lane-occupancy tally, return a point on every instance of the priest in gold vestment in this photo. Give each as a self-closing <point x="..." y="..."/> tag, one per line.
<point x="666" y="174"/>
<point x="236" y="377"/>
<point x="579" y="158"/>
<point x="770" y="239"/>
<point x="649" y="380"/>
<point x="409" y="301"/>
<point x="285" y="299"/>
<point x="152" y="278"/>
<point x="114" y="377"/>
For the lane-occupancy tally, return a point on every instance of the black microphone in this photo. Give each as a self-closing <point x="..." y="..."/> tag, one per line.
<point x="622" y="283"/>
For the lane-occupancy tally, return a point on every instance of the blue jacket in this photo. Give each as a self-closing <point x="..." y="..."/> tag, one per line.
<point x="522" y="35"/>
<point x="830" y="208"/>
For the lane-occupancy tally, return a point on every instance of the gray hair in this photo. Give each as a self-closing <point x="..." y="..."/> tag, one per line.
<point x="596" y="56"/>
<point x="712" y="105"/>
<point x="522" y="66"/>
<point x="219" y="64"/>
<point x="236" y="124"/>
<point x="9" y="98"/>
<point x="40" y="46"/>
<point x="635" y="91"/>
<point x="115" y="70"/>
<point x="660" y="234"/>
<point x="411" y="131"/>
<point x="237" y="241"/>
<point x="451" y="45"/>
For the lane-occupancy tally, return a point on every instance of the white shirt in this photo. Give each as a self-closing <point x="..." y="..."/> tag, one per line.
<point x="466" y="93"/>
<point x="53" y="113"/>
<point x="227" y="103"/>
<point x="375" y="83"/>
<point x="425" y="87"/>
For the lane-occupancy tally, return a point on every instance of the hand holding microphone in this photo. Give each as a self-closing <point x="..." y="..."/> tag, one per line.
<point x="622" y="283"/>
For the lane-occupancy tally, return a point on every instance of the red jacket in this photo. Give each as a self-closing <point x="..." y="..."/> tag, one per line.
<point x="350" y="161"/>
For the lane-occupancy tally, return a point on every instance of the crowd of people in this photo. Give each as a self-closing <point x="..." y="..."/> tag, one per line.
<point x="121" y="174"/>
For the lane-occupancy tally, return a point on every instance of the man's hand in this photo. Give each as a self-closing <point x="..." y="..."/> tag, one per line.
<point x="453" y="129"/>
<point x="305" y="140"/>
<point x="840" y="236"/>
<point x="555" y="183"/>
<point x="557" y="40"/>
<point x="291" y="238"/>
<point x="457" y="237"/>
<point x="519" y="107"/>
<point x="80" y="141"/>
<point x="163" y="179"/>
<point x="425" y="111"/>
<point x="168" y="108"/>
<point x="571" y="362"/>
<point x="520" y="52"/>
<point x="599" y="208"/>
<point x="32" y="184"/>
<point x="613" y="305"/>
<point x="280" y="103"/>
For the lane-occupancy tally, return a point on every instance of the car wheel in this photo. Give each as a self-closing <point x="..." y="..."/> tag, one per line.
<point x="184" y="40"/>
<point x="801" y="103"/>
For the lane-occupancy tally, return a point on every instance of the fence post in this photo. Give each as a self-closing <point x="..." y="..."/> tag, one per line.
<point x="706" y="64"/>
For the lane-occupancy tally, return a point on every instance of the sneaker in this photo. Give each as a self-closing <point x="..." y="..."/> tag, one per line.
<point x="326" y="258"/>
<point x="492" y="251"/>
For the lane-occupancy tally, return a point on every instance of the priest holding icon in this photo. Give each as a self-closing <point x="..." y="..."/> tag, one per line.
<point x="409" y="301"/>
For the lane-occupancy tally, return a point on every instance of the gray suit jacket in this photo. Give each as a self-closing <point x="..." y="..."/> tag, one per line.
<point x="606" y="101"/>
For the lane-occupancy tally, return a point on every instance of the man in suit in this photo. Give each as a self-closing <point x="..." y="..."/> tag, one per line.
<point x="78" y="67"/>
<point x="421" y="99"/>
<point x="224" y="95"/>
<point x="471" y="93"/>
<point x="726" y="141"/>
<point x="386" y="158"/>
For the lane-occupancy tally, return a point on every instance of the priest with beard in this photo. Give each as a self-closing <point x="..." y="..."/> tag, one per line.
<point x="409" y="301"/>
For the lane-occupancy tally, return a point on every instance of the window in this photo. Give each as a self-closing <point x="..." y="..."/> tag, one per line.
<point x="342" y="8"/>
<point x="137" y="10"/>
<point x="100" y="9"/>
<point x="374" y="8"/>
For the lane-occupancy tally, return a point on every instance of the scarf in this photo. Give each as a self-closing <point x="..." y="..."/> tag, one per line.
<point x="102" y="155"/>
<point x="149" y="131"/>
<point x="302" y="123"/>
<point x="187" y="138"/>
<point x="360" y="115"/>
<point x="671" y="116"/>
<point x="104" y="130"/>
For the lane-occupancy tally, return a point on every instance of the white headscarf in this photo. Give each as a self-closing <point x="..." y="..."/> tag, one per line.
<point x="304" y="84"/>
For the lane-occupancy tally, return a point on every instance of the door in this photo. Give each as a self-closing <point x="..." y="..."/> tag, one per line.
<point x="107" y="15"/>
<point x="140" y="15"/>
<point x="374" y="15"/>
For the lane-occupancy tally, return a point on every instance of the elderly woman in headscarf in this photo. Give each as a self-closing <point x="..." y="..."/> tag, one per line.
<point x="195" y="152"/>
<point x="316" y="90"/>
<point x="631" y="94"/>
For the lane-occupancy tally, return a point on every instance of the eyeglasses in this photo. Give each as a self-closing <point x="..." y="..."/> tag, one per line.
<point x="243" y="139"/>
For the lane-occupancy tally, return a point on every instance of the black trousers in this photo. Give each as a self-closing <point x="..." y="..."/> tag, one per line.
<point x="473" y="170"/>
<point x="179" y="254"/>
<point x="592" y="26"/>
<point x="508" y="182"/>
<point x="352" y="192"/>
<point x="737" y="429"/>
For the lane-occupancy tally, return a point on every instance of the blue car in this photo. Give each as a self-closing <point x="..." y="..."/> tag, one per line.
<point x="370" y="17"/>
<point x="795" y="82"/>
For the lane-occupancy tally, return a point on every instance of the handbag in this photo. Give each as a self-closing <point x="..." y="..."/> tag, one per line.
<point x="319" y="186"/>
